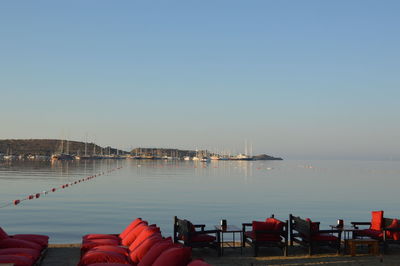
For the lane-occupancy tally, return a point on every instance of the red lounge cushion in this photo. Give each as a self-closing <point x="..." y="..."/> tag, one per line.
<point x="314" y="226"/>
<point x="17" y="243"/>
<point x="27" y="252"/>
<point x="89" y="237"/>
<point x="198" y="262"/>
<point x="31" y="238"/>
<point x="278" y="225"/>
<point x="155" y="251"/>
<point x="202" y="238"/>
<point x="393" y="235"/>
<point x="129" y="228"/>
<point x="264" y="226"/>
<point x="324" y="237"/>
<point x="98" y="242"/>
<point x="174" y="257"/>
<point x="102" y="256"/>
<point x="118" y="249"/>
<point x="376" y="220"/>
<point x="3" y="234"/>
<point x="138" y="253"/>
<point x="131" y="236"/>
<point x="147" y="232"/>
<point x="16" y="260"/>
<point x="264" y="237"/>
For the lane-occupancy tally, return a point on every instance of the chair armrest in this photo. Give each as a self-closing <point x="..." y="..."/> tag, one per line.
<point x="200" y="226"/>
<point x="205" y="232"/>
<point x="361" y="223"/>
<point x="244" y="225"/>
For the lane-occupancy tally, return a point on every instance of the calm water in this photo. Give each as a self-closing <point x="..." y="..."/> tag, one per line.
<point x="204" y="193"/>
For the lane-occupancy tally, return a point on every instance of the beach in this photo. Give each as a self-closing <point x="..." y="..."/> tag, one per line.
<point x="68" y="254"/>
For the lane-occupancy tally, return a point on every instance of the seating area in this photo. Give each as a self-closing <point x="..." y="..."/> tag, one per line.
<point x="139" y="244"/>
<point x="385" y="230"/>
<point x="22" y="249"/>
<point x="143" y="244"/>
<point x="269" y="233"/>
<point x="308" y="234"/>
<point x="185" y="233"/>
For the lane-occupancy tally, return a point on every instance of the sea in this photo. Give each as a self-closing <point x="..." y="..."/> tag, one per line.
<point x="204" y="193"/>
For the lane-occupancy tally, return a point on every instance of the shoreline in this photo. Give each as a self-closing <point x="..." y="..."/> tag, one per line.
<point x="68" y="254"/>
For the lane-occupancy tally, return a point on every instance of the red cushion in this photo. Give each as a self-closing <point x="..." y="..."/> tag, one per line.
<point x="102" y="256"/>
<point x="118" y="249"/>
<point x="3" y="234"/>
<point x="174" y="257"/>
<point x="16" y="260"/>
<point x="323" y="237"/>
<point x="138" y="253"/>
<point x="393" y="235"/>
<point x="89" y="237"/>
<point x="31" y="238"/>
<point x="17" y="243"/>
<point x="129" y="228"/>
<point x="198" y="262"/>
<point x="131" y="236"/>
<point x="26" y="252"/>
<point x="155" y="251"/>
<point x="263" y="226"/>
<point x="370" y="233"/>
<point x="268" y="225"/>
<point x="263" y="237"/>
<point x="147" y="232"/>
<point x="314" y="226"/>
<point x="98" y="242"/>
<point x="202" y="238"/>
<point x="376" y="220"/>
<point x="278" y="225"/>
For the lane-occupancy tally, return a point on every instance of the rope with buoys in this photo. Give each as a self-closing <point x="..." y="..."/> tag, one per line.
<point x="54" y="189"/>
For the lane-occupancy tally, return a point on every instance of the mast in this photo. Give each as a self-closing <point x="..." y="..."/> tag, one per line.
<point x="67" y="150"/>
<point x="86" y="145"/>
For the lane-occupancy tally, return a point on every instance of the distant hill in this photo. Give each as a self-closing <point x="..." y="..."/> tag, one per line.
<point x="265" y="157"/>
<point x="50" y="146"/>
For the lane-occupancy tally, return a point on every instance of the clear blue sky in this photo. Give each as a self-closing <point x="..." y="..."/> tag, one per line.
<point x="299" y="79"/>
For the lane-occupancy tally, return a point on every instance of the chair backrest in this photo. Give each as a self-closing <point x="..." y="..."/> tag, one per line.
<point x="182" y="228"/>
<point x="387" y="222"/>
<point x="377" y="221"/>
<point x="300" y="225"/>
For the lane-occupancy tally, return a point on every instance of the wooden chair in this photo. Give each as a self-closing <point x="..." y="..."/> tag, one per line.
<point x="185" y="232"/>
<point x="271" y="233"/>
<point x="385" y="230"/>
<point x="307" y="234"/>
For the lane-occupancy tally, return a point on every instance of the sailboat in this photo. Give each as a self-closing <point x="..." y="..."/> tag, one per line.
<point x="61" y="155"/>
<point x="83" y="157"/>
<point x="245" y="156"/>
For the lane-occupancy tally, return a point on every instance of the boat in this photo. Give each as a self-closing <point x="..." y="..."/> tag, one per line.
<point x="205" y="159"/>
<point x="61" y="155"/>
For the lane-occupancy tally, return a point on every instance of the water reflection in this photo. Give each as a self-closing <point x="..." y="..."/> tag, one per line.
<point x="239" y="191"/>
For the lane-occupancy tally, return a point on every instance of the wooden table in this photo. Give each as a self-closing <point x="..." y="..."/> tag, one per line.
<point x="230" y="229"/>
<point x="373" y="245"/>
